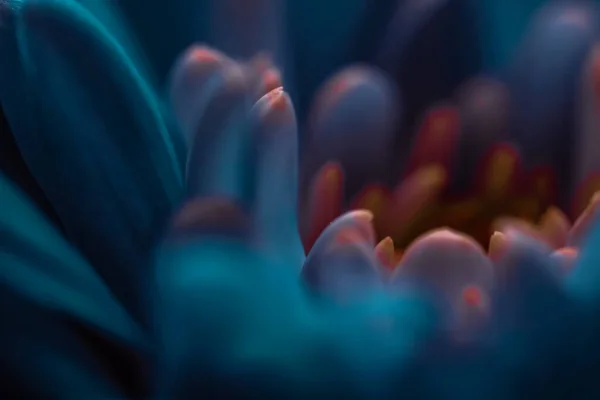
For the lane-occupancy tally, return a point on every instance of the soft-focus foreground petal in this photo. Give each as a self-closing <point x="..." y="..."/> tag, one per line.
<point x="583" y="282"/>
<point x="232" y="323"/>
<point x="583" y="226"/>
<point x="220" y="141"/>
<point x="529" y="283"/>
<point x="342" y="262"/>
<point x="451" y="268"/>
<point x="195" y="78"/>
<point x="54" y="308"/>
<point x="94" y="139"/>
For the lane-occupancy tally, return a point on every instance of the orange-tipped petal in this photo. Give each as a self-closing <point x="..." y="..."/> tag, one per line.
<point x="498" y="246"/>
<point x="567" y="257"/>
<point x="554" y="226"/>
<point x="437" y="138"/>
<point x="499" y="171"/>
<point x="473" y="311"/>
<point x="342" y="264"/>
<point x="584" y="223"/>
<point x="444" y="263"/>
<point x="420" y="190"/>
<point x="384" y="252"/>
<point x="362" y="232"/>
<point x="325" y="201"/>
<point x="520" y="226"/>
<point x="271" y="79"/>
<point x="374" y="198"/>
<point x="473" y="297"/>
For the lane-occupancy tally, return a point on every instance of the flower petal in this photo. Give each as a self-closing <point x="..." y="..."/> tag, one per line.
<point x="342" y="263"/>
<point x="220" y="146"/>
<point x="195" y="78"/>
<point x="443" y="264"/>
<point x="352" y="122"/>
<point x="542" y="81"/>
<point x="39" y="266"/>
<point x="95" y="140"/>
<point x="530" y="284"/>
<point x="275" y="206"/>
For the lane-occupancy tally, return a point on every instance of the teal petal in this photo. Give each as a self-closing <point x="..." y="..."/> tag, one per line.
<point x="39" y="266"/>
<point x="95" y="139"/>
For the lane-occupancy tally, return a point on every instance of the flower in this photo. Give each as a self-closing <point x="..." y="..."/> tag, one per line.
<point x="160" y="253"/>
<point x="496" y="148"/>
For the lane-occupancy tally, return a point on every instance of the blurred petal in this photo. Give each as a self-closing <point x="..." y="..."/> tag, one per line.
<point x="40" y="266"/>
<point x="499" y="171"/>
<point x="567" y="257"/>
<point x="585" y="167"/>
<point x="584" y="223"/>
<point x="498" y="246"/>
<point x="436" y="140"/>
<point x="95" y="140"/>
<point x="555" y="226"/>
<point x="61" y="326"/>
<point x="429" y="49"/>
<point x="352" y="122"/>
<point x="196" y="76"/>
<point x="324" y="203"/>
<point x="220" y="146"/>
<point x="584" y="280"/>
<point x="443" y="264"/>
<point x="529" y="282"/>
<point x="276" y="196"/>
<point x="209" y="217"/>
<point x="342" y="263"/>
<point x="413" y="196"/>
<point x="542" y="82"/>
<point x="384" y="251"/>
<point x="484" y="105"/>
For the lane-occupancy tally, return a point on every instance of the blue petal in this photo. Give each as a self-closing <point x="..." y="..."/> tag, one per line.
<point x="95" y="140"/>
<point x="40" y="267"/>
<point x="544" y="79"/>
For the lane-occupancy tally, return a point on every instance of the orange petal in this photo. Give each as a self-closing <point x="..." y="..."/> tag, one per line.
<point x="418" y="192"/>
<point x="499" y="171"/>
<point x="325" y="201"/>
<point x="567" y="256"/>
<point x="384" y="251"/>
<point x="498" y="246"/>
<point x="437" y="138"/>
<point x="555" y="226"/>
<point x="374" y="198"/>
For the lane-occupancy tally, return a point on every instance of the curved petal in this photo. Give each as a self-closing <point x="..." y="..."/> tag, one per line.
<point x="50" y="297"/>
<point x="275" y="205"/>
<point x="219" y="148"/>
<point x="342" y="262"/>
<point x="352" y="122"/>
<point x="529" y="282"/>
<point x="452" y="269"/>
<point x="49" y="272"/>
<point x="95" y="140"/>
